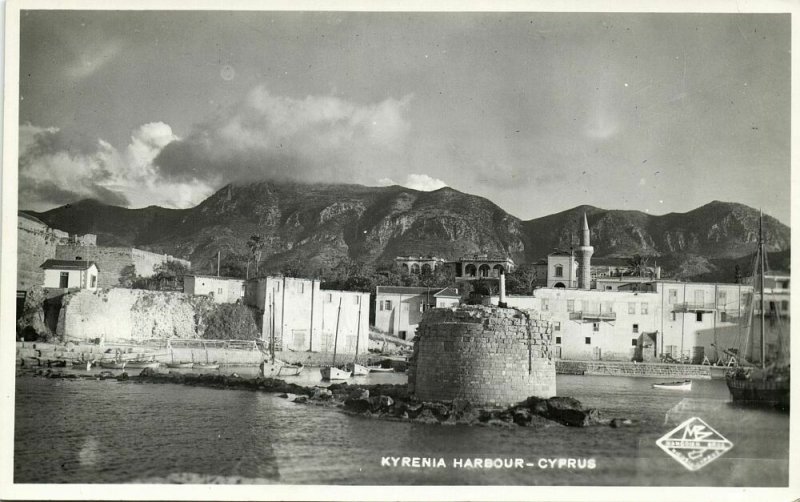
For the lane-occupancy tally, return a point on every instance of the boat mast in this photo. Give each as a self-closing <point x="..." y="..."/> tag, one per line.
<point x="761" y="286"/>
<point x="358" y="334"/>
<point x="336" y="333"/>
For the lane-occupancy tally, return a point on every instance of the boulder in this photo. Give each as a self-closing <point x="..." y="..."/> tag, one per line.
<point x="124" y="376"/>
<point x="300" y="399"/>
<point x="537" y="405"/>
<point x="358" y="393"/>
<point x="148" y="372"/>
<point x="386" y="402"/>
<point x="620" y="422"/>
<point x="522" y="416"/>
<point x="322" y="393"/>
<point x="357" y="405"/>
<point x="426" y="416"/>
<point x="413" y="409"/>
<point x="460" y="406"/>
<point x="439" y="410"/>
<point x="570" y="411"/>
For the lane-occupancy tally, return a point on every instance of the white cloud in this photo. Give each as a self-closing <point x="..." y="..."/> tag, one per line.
<point x="317" y="138"/>
<point x="56" y="168"/>
<point x="92" y="59"/>
<point x="421" y="182"/>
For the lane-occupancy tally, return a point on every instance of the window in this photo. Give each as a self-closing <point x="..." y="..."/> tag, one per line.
<point x="783" y="284"/>
<point x="219" y="291"/>
<point x="784" y="305"/>
<point x="388" y="305"/>
<point x="559" y="271"/>
<point x="441" y="305"/>
<point x="403" y="335"/>
<point x="63" y="280"/>
<point x="588" y="340"/>
<point x="722" y="298"/>
<point x="595" y="327"/>
<point x="545" y="304"/>
<point x="557" y="325"/>
<point x="558" y="340"/>
<point x="673" y="296"/>
<point x="631" y="308"/>
<point x="674" y="316"/>
<point x="609" y="288"/>
<point x="298" y="287"/>
<point x="699" y="317"/>
<point x="329" y="299"/>
<point x="634" y="342"/>
<point x="356" y="299"/>
<point x="635" y="328"/>
<point x="644" y="308"/>
<point x="570" y="305"/>
<point x="422" y="306"/>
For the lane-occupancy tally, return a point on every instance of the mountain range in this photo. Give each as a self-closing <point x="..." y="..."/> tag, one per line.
<point x="322" y="224"/>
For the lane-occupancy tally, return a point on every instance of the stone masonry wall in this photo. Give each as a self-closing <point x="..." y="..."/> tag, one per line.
<point x="36" y="243"/>
<point x="125" y="315"/>
<point x="112" y="260"/>
<point x="486" y="355"/>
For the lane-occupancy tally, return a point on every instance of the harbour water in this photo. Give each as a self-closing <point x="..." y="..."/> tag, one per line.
<point x="93" y="431"/>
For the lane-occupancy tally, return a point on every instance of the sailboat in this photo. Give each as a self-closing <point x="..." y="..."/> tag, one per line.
<point x="762" y="384"/>
<point x="354" y="367"/>
<point x="332" y="372"/>
<point x="271" y="367"/>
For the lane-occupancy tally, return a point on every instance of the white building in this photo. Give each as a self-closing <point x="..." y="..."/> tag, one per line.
<point x="221" y="289"/>
<point x="298" y="315"/>
<point x="399" y="309"/>
<point x="66" y="274"/>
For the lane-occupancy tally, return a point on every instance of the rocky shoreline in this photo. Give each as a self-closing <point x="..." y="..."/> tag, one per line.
<point x="380" y="401"/>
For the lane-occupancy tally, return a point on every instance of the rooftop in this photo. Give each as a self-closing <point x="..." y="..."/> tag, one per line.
<point x="448" y="292"/>
<point x="68" y="264"/>
<point x="410" y="290"/>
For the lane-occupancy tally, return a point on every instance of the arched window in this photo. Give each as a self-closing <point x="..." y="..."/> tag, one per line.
<point x="404" y="268"/>
<point x="415" y="268"/>
<point x="559" y="271"/>
<point x="497" y="270"/>
<point x="483" y="271"/>
<point x="426" y="268"/>
<point x="559" y="285"/>
<point x="470" y="270"/>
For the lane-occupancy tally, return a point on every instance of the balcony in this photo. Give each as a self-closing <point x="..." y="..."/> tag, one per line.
<point x="694" y="307"/>
<point x="587" y="316"/>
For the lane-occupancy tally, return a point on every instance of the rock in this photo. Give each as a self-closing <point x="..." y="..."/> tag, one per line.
<point x="358" y="394"/>
<point x="386" y="402"/>
<point x="426" y="417"/>
<point x="522" y="416"/>
<point x="235" y="375"/>
<point x="460" y="406"/>
<point x="620" y="422"/>
<point x="570" y="411"/>
<point x="499" y="423"/>
<point x="537" y="406"/>
<point x="106" y="374"/>
<point x="287" y="395"/>
<point x="357" y="405"/>
<point x="413" y="410"/>
<point x="322" y="393"/>
<point x="124" y="376"/>
<point x="439" y="410"/>
<point x="301" y="399"/>
<point x="148" y="372"/>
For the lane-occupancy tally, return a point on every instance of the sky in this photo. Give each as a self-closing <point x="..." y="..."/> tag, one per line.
<point x="538" y="112"/>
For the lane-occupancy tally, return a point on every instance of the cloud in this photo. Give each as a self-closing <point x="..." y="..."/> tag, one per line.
<point x="318" y="138"/>
<point x="421" y="182"/>
<point x="91" y="59"/>
<point x="57" y="167"/>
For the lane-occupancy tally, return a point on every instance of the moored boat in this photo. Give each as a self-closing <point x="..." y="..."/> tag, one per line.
<point x="290" y="369"/>
<point x="139" y="364"/>
<point x="379" y="369"/>
<point x="357" y="369"/>
<point x="112" y="365"/>
<point x="334" y="373"/>
<point x="685" y="385"/>
<point x="206" y="366"/>
<point x="180" y="365"/>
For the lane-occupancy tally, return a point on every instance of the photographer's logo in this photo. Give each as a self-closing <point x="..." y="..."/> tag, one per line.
<point x="694" y="444"/>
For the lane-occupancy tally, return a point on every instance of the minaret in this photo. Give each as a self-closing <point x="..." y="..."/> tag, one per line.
<point x="585" y="251"/>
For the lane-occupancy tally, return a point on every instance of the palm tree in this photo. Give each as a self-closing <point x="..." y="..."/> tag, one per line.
<point x="637" y="265"/>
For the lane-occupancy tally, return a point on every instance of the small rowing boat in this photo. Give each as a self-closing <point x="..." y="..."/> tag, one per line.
<point x="206" y="366"/>
<point x="333" y="373"/>
<point x="180" y="365"/>
<point x="379" y="369"/>
<point x="140" y="364"/>
<point x="290" y="369"/>
<point x="685" y="385"/>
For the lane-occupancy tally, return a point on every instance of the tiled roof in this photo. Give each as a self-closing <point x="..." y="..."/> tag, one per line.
<point x="68" y="264"/>
<point x="404" y="290"/>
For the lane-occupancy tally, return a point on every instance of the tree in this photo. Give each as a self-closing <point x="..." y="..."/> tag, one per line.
<point x="522" y="280"/>
<point x="231" y="321"/>
<point x="127" y="276"/>
<point x="168" y="276"/>
<point x="637" y="265"/>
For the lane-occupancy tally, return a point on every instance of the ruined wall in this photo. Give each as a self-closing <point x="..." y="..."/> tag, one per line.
<point x="486" y="355"/>
<point x="35" y="244"/>
<point x="111" y="260"/>
<point x="124" y="315"/>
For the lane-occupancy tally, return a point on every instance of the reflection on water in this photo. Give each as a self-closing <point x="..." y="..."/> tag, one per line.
<point x="108" y="431"/>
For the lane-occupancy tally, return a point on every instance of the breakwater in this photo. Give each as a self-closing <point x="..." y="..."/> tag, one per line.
<point x="381" y="401"/>
<point x="629" y="369"/>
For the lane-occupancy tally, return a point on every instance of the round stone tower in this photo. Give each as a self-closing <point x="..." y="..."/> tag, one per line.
<point x="585" y="251"/>
<point x="486" y="355"/>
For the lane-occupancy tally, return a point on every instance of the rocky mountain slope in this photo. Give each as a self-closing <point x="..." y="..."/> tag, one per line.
<point x="321" y="225"/>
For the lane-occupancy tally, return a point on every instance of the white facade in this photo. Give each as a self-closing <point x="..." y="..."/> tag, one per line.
<point x="298" y="315"/>
<point x="71" y="277"/>
<point x="398" y="310"/>
<point x="562" y="270"/>
<point x="221" y="289"/>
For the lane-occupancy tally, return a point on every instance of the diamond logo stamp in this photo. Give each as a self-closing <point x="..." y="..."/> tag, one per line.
<point x="694" y="444"/>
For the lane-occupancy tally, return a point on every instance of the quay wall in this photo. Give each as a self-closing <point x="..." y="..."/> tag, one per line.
<point x="486" y="355"/>
<point x="614" y="368"/>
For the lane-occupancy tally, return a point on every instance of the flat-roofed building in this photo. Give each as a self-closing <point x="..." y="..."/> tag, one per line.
<point x="221" y="289"/>
<point x="398" y="309"/>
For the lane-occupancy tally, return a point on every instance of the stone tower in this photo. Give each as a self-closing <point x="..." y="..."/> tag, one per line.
<point x="585" y="251"/>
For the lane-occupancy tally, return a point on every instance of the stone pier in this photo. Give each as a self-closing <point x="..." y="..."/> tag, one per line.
<point x="485" y="355"/>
